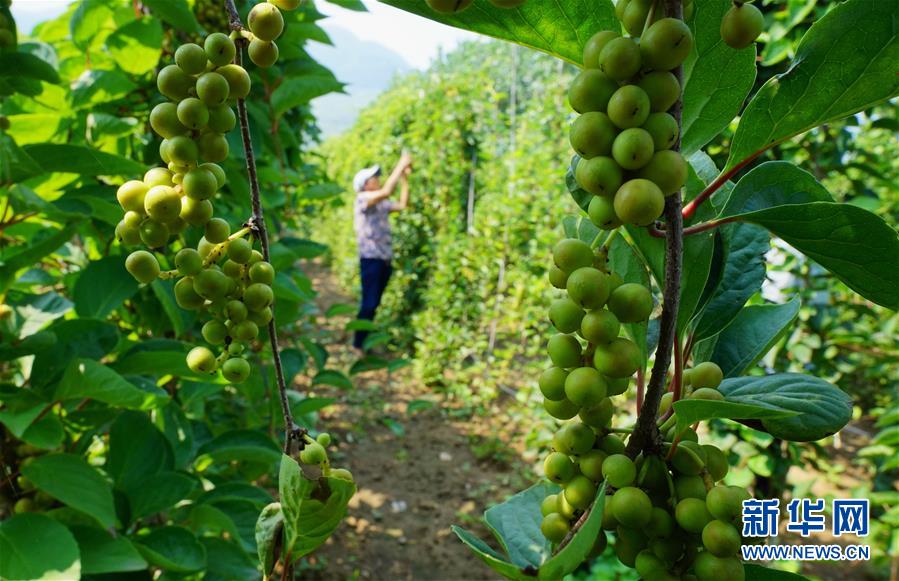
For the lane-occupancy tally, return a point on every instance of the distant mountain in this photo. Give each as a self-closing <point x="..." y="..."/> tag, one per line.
<point x="367" y="68"/>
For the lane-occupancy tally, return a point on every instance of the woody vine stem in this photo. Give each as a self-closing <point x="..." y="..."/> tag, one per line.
<point x="646" y="433"/>
<point x="257" y="224"/>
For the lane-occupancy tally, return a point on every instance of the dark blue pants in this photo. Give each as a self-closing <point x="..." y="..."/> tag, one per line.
<point x="375" y="274"/>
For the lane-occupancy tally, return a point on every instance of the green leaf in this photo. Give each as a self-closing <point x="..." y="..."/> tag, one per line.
<point x="823" y="409"/>
<point x="516" y="525"/>
<point x="583" y="229"/>
<point x="15" y="164"/>
<point x="97" y="87"/>
<point x="369" y="363"/>
<point x="175" y="12"/>
<point x="85" y="378"/>
<point x="858" y="247"/>
<point x="247" y="445"/>
<point x="34" y="546"/>
<point x="137" y="46"/>
<point x="110" y="275"/>
<point x="690" y="411"/>
<point x="57" y="157"/>
<point x="89" y="18"/>
<point x="227" y="561"/>
<point x="493" y="559"/>
<point x="21" y="406"/>
<point x="137" y="450"/>
<point x="46" y="433"/>
<point x="332" y="377"/>
<point x="26" y="65"/>
<point x="72" y="481"/>
<point x="774" y="183"/>
<point x="751" y="334"/>
<point x="269" y="528"/>
<point x="103" y="553"/>
<point x="304" y="248"/>
<point x="158" y="492"/>
<point x="581" y="544"/>
<point x="29" y="345"/>
<point x="558" y="28"/>
<point x="32" y="253"/>
<point x="845" y="63"/>
<point x="355" y="5"/>
<point x="712" y="99"/>
<point x="312" y="509"/>
<point x="744" y="247"/>
<point x="164" y="292"/>
<point x="173" y="548"/>
<point x="297" y="91"/>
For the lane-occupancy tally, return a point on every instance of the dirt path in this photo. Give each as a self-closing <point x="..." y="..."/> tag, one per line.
<point x="413" y="455"/>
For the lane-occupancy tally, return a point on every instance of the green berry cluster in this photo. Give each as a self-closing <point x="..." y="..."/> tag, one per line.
<point x="224" y="276"/>
<point x="742" y="24"/>
<point x="624" y="135"/>
<point x="452" y="6"/>
<point x="314" y="453"/>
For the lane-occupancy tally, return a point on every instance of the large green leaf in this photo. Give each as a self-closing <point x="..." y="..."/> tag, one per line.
<point x="227" y="561"/>
<point x="491" y="558"/>
<point x="858" y="247"/>
<point x="72" y="481"/>
<point x="312" y="509"/>
<point x="137" y="450"/>
<point x="845" y="63"/>
<point x="103" y="553"/>
<point x="34" y="546"/>
<point x="85" y="378"/>
<point x="158" y="492"/>
<point x="775" y="183"/>
<point x="712" y="99"/>
<point x="173" y="548"/>
<point x="690" y="411"/>
<point x="26" y="256"/>
<point x="855" y="245"/>
<point x="752" y="334"/>
<point x="58" y="157"/>
<point x="516" y="525"/>
<point x="581" y="544"/>
<point x="108" y="274"/>
<point x="297" y="91"/>
<point x="88" y="19"/>
<point x="88" y="338"/>
<point x="248" y="445"/>
<point x="743" y="272"/>
<point x="137" y="45"/>
<point x="27" y="65"/>
<point x="269" y="532"/>
<point x="175" y="12"/>
<point x="558" y="28"/>
<point x="823" y="409"/>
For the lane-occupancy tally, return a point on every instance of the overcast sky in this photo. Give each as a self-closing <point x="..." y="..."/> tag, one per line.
<point x="417" y="39"/>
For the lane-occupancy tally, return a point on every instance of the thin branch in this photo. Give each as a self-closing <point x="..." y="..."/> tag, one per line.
<point x="658" y="230"/>
<point x="722" y="179"/>
<point x="257" y="223"/>
<point x="646" y="435"/>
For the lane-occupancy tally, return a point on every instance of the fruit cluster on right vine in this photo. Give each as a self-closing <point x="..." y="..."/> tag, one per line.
<point x="669" y="514"/>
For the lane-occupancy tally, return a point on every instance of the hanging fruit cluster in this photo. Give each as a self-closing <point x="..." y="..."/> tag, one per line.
<point x="668" y="512"/>
<point x="625" y="135"/>
<point x="224" y="276"/>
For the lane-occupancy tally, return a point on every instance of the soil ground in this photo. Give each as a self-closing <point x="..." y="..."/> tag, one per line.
<point x="416" y="468"/>
<point x="424" y="462"/>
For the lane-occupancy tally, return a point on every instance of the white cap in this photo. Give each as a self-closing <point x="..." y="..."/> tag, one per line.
<point x="363" y="176"/>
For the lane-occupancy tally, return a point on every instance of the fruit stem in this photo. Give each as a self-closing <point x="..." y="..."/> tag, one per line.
<point x="167" y="274"/>
<point x="722" y="179"/>
<point x="292" y="432"/>
<point x="646" y="437"/>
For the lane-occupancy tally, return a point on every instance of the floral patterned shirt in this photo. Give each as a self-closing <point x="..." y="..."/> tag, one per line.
<point x="373" y="227"/>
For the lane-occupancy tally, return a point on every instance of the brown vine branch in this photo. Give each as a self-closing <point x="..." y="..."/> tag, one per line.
<point x="257" y="224"/>
<point x="646" y="433"/>
<point x="658" y="230"/>
<point x="722" y="179"/>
